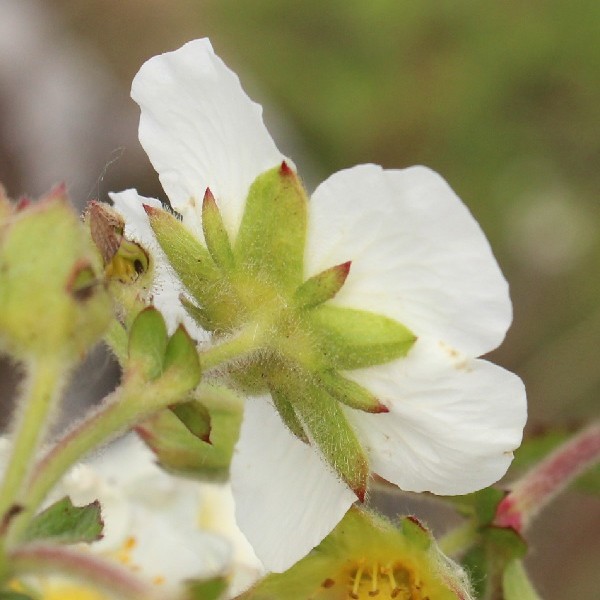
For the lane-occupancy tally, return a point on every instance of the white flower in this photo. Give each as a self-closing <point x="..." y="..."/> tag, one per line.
<point x="165" y="529"/>
<point x="418" y="257"/>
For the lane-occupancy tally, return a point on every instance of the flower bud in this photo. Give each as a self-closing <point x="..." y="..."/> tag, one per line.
<point x="51" y="300"/>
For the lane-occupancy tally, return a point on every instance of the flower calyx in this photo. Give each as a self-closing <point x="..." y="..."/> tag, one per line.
<point x="251" y="293"/>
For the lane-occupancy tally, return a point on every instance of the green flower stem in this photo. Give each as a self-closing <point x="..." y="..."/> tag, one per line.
<point x="516" y="584"/>
<point x="242" y="343"/>
<point x="459" y="539"/>
<point x="44" y="386"/>
<point x="89" y="569"/>
<point x="121" y="410"/>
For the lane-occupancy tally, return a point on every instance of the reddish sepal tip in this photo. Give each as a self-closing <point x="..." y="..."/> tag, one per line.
<point x="361" y="493"/>
<point x="150" y="210"/>
<point x="285" y="169"/>
<point x="208" y="196"/>
<point x="416" y="521"/>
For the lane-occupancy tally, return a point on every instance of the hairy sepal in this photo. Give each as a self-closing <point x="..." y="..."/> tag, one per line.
<point x="271" y="239"/>
<point x="357" y="338"/>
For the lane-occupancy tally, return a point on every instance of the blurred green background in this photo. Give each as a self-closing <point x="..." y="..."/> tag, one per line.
<point x="503" y="99"/>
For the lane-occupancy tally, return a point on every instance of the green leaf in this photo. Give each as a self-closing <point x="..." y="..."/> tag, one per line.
<point x="271" y="239"/>
<point x="190" y="259"/>
<point x="357" y="338"/>
<point x="205" y="589"/>
<point x="65" y="523"/>
<point x="14" y="596"/>
<point x="147" y="343"/>
<point x="178" y="450"/>
<point x="322" y="287"/>
<point x="181" y="361"/>
<point x="215" y="233"/>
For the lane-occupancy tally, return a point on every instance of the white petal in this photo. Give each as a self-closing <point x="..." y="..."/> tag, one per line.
<point x="453" y="421"/>
<point x="417" y="255"/>
<point x="166" y="287"/>
<point x="201" y="130"/>
<point x="150" y="517"/>
<point x="287" y="499"/>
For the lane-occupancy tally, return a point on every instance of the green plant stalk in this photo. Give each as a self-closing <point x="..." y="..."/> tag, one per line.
<point x="240" y="344"/>
<point x="516" y="583"/>
<point x="45" y="383"/>
<point x="120" y="411"/>
<point x="458" y="540"/>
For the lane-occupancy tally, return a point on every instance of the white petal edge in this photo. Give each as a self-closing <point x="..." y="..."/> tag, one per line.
<point x="287" y="499"/>
<point x="418" y="255"/>
<point x="166" y="287"/>
<point x="453" y="422"/>
<point x="200" y="129"/>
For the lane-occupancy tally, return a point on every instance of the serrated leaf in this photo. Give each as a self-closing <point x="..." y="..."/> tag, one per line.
<point x="357" y="338"/>
<point x="147" y="343"/>
<point x="67" y="524"/>
<point x="272" y="235"/>
<point x="205" y="589"/>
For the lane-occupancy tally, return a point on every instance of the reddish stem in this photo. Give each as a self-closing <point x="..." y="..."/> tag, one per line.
<point x="538" y="487"/>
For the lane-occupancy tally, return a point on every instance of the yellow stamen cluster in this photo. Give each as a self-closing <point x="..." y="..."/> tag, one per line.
<point x="365" y="580"/>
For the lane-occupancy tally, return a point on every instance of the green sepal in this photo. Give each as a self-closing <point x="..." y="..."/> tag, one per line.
<point x="179" y="451"/>
<point x="181" y="362"/>
<point x="350" y="393"/>
<point x="147" y="343"/>
<point x="67" y="524"/>
<point x="329" y="429"/>
<point x="416" y="533"/>
<point x="360" y="540"/>
<point x="271" y="239"/>
<point x="357" y="338"/>
<point x="287" y="413"/>
<point x="190" y="259"/>
<point x="195" y="417"/>
<point x="197" y="313"/>
<point x="322" y="287"/>
<point x="215" y="234"/>
<point x="206" y="589"/>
